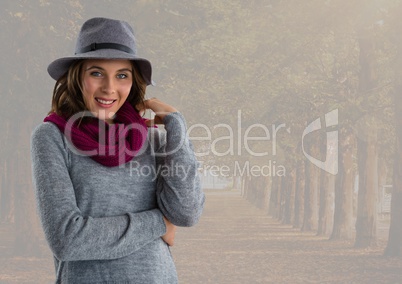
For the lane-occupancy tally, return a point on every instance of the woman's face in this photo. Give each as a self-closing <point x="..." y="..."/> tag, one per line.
<point x="106" y="85"/>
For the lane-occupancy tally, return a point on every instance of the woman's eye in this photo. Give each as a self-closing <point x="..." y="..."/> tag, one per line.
<point x="122" y="76"/>
<point x="96" y="74"/>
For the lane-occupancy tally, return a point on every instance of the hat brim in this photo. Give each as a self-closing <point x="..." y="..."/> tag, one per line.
<point x="60" y="66"/>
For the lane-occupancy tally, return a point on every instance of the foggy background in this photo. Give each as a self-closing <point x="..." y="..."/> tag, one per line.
<point x="252" y="78"/>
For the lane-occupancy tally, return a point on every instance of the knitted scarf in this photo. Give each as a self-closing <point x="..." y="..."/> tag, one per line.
<point x="108" y="144"/>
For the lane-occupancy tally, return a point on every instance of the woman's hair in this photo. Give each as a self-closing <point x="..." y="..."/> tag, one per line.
<point x="68" y="99"/>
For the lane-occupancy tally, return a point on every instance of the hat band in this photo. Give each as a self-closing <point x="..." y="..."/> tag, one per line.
<point x="105" y="45"/>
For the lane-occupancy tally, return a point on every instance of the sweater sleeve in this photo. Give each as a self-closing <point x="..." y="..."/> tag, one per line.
<point x="179" y="193"/>
<point x="72" y="236"/>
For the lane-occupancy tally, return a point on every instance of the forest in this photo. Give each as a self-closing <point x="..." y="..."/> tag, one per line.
<point x="297" y="103"/>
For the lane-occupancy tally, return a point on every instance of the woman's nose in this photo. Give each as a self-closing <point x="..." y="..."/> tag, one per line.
<point x="108" y="86"/>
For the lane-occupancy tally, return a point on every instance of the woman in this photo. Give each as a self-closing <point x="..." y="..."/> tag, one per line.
<point x="111" y="189"/>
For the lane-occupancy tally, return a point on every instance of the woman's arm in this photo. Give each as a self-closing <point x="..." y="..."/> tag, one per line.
<point x="72" y="236"/>
<point x="179" y="193"/>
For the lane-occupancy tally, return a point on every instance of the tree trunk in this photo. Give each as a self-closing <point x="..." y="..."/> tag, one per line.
<point x="273" y="204"/>
<point x="289" y="190"/>
<point x="292" y="189"/>
<point x="382" y="181"/>
<point x="310" y="220"/>
<point x="286" y="188"/>
<point x="344" y="186"/>
<point x="326" y="210"/>
<point x="243" y="186"/>
<point x="326" y="204"/>
<point x="267" y="193"/>
<point x="250" y="190"/>
<point x="282" y="197"/>
<point x="299" y="194"/>
<point x="366" y="222"/>
<point x="394" y="245"/>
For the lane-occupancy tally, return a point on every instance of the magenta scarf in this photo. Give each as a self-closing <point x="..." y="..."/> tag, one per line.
<point x="108" y="144"/>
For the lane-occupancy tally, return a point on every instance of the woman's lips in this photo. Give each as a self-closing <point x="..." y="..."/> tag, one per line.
<point x="105" y="103"/>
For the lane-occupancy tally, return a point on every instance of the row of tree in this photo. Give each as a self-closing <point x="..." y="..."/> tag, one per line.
<point x="351" y="64"/>
<point x="275" y="62"/>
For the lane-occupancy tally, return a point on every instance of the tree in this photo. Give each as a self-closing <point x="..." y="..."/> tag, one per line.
<point x="344" y="187"/>
<point x="310" y="221"/>
<point x="366" y="222"/>
<point x="394" y="245"/>
<point x="325" y="211"/>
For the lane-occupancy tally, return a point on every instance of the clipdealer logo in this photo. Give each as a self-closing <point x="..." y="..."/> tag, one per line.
<point x="330" y="164"/>
<point x="244" y="137"/>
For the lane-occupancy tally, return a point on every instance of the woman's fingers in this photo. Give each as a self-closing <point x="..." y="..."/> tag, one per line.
<point x="160" y="108"/>
<point x="169" y="236"/>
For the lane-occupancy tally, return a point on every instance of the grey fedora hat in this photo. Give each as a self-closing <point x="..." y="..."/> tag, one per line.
<point x="103" y="38"/>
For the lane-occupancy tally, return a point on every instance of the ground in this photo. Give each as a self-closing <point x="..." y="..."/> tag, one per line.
<point x="235" y="242"/>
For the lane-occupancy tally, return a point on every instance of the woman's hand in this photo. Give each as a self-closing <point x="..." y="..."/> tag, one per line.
<point x="160" y="109"/>
<point x="170" y="232"/>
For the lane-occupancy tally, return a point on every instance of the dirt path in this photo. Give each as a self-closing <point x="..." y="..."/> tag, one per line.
<point x="237" y="243"/>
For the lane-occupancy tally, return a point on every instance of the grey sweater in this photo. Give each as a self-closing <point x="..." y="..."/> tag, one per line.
<point x="104" y="224"/>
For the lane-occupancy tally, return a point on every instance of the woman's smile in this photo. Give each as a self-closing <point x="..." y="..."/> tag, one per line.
<point x="106" y="103"/>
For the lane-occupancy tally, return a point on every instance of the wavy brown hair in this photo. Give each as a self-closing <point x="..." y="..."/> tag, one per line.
<point x="67" y="97"/>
